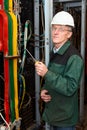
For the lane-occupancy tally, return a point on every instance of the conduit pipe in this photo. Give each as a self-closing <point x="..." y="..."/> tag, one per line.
<point x="83" y="27"/>
<point x="48" y="17"/>
<point x="37" y="78"/>
<point x="48" y="9"/>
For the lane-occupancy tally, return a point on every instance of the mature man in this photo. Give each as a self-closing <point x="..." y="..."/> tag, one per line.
<point x="62" y="76"/>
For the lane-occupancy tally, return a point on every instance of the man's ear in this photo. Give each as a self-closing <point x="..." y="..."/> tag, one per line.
<point x="69" y="35"/>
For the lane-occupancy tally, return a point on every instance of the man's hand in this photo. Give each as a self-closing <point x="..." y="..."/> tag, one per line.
<point x="41" y="68"/>
<point x="45" y="96"/>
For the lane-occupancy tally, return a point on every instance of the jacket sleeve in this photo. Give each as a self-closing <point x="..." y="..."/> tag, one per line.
<point x="67" y="82"/>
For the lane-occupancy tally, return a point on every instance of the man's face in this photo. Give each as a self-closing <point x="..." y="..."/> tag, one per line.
<point x="60" y="34"/>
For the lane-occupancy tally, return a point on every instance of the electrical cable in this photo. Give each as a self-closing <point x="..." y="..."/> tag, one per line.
<point x="5" y="121"/>
<point x="17" y="11"/>
<point x="29" y="100"/>
<point x="26" y="38"/>
<point x="1" y="77"/>
<point x="22" y="83"/>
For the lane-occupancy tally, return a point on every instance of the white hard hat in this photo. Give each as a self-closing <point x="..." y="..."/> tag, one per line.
<point x="63" y="18"/>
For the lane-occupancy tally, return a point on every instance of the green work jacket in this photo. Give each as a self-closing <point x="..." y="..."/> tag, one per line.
<point x="62" y="82"/>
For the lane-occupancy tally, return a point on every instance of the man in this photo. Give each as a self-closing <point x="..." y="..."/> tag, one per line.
<point x="62" y="77"/>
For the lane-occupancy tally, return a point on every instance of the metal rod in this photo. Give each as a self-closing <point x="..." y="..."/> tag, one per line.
<point x="31" y="56"/>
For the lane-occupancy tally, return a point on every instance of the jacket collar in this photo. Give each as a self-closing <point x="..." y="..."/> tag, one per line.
<point x="62" y="50"/>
